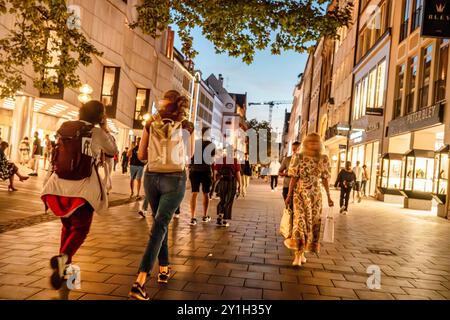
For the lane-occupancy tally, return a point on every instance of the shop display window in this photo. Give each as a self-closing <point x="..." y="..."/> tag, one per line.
<point x="440" y="180"/>
<point x="391" y="171"/>
<point x="419" y="171"/>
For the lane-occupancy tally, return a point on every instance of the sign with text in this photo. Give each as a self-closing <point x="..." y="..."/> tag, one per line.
<point x="436" y="19"/>
<point x="418" y="120"/>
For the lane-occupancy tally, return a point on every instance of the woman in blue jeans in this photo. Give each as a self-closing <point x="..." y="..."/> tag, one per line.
<point x="166" y="143"/>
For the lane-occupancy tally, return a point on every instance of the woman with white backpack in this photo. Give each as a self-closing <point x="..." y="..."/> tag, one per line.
<point x="167" y="143"/>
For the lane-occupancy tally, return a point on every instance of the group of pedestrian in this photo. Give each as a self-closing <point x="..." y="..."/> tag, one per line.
<point x="73" y="189"/>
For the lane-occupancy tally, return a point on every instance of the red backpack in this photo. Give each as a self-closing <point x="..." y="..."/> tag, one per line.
<point x="72" y="156"/>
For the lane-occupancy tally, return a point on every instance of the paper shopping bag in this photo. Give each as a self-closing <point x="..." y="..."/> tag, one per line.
<point x="286" y="223"/>
<point x="328" y="230"/>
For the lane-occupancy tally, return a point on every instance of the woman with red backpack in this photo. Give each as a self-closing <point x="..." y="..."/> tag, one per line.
<point x="166" y="143"/>
<point x="73" y="189"/>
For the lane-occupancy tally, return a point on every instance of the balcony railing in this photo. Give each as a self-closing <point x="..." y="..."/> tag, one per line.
<point x="423" y="96"/>
<point x="439" y="90"/>
<point x="416" y="19"/>
<point x="397" y="108"/>
<point x="410" y="103"/>
<point x="404" y="30"/>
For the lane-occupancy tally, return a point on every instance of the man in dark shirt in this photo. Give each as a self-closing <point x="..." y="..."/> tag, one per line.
<point x="246" y="174"/>
<point x="125" y="161"/>
<point x="345" y="180"/>
<point x="200" y="173"/>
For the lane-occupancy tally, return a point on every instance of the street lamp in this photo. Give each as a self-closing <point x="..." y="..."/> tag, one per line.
<point x="85" y="93"/>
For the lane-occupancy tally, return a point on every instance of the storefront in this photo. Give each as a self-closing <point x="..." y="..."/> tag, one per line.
<point x="364" y="143"/>
<point x="336" y="146"/>
<point x="416" y="166"/>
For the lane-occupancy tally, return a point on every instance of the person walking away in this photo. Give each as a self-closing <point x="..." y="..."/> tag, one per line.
<point x="274" y="167"/>
<point x="246" y="175"/>
<point x="284" y="170"/>
<point x="47" y="150"/>
<point x="228" y="174"/>
<point x="346" y="179"/>
<point x="73" y="189"/>
<point x="24" y="149"/>
<point x="35" y="155"/>
<point x="164" y="181"/>
<point x="108" y="163"/>
<point x="307" y="169"/>
<point x="116" y="160"/>
<point x="200" y="173"/>
<point x="136" y="169"/>
<point x="8" y="169"/>
<point x="358" y="173"/>
<point x="365" y="178"/>
<point x="124" y="160"/>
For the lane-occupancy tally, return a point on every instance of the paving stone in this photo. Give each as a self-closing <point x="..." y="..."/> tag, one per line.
<point x="242" y="293"/>
<point x="204" y="288"/>
<point x="48" y="294"/>
<point x="96" y="287"/>
<point x="373" y="295"/>
<point x="16" y="292"/>
<point x="315" y="281"/>
<point x="424" y="292"/>
<point x="17" y="280"/>
<point x="328" y="275"/>
<point x="227" y="281"/>
<point x="176" y="295"/>
<point x="247" y="274"/>
<point x="91" y="296"/>
<point x="264" y="284"/>
<point x="337" y="292"/>
<point x="307" y="296"/>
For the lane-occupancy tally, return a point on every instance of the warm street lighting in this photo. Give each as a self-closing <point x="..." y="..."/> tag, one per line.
<point x="83" y="98"/>
<point x="86" y="89"/>
<point x="146" y="117"/>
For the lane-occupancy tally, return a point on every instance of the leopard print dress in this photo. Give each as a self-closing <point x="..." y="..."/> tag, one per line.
<point x="307" y="197"/>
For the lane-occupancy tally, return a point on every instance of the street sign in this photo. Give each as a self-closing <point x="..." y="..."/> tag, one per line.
<point x="436" y="19"/>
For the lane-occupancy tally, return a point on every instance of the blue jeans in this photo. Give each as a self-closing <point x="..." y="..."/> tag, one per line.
<point x="164" y="192"/>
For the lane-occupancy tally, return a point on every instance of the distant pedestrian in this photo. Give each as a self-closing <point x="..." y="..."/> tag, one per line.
<point x="24" y="149"/>
<point x="108" y="162"/>
<point x="274" y="167"/>
<point x="284" y="169"/>
<point x="346" y="181"/>
<point x="264" y="173"/>
<point x="35" y="155"/>
<point x="47" y="150"/>
<point x="164" y="182"/>
<point x="228" y="174"/>
<point x="365" y="178"/>
<point x="116" y="160"/>
<point x="74" y="190"/>
<point x="308" y="170"/>
<point x="200" y="173"/>
<point x="124" y="160"/>
<point x="246" y="173"/>
<point x="357" y="188"/>
<point x="8" y="169"/>
<point x="136" y="169"/>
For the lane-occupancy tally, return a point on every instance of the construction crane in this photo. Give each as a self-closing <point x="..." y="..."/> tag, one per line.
<point x="271" y="104"/>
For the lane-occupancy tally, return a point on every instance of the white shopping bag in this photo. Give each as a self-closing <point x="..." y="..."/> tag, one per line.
<point x="328" y="230"/>
<point x="286" y="223"/>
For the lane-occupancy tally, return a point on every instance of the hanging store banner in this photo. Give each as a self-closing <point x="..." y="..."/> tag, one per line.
<point x="436" y="19"/>
<point x="421" y="119"/>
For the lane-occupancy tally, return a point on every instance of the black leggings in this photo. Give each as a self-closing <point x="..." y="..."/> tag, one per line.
<point x="273" y="182"/>
<point x="345" y="196"/>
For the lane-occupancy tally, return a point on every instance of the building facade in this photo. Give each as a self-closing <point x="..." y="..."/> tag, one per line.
<point x="134" y="70"/>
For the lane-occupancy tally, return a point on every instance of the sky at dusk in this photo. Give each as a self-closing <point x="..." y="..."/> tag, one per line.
<point x="267" y="78"/>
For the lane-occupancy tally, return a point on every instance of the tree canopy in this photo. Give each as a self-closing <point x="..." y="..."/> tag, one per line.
<point x="44" y="37"/>
<point x="240" y="28"/>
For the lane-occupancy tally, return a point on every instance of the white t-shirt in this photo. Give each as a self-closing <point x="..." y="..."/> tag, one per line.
<point x="358" y="173"/>
<point x="274" y="168"/>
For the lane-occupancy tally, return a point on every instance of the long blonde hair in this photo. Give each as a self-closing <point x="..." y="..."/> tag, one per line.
<point x="313" y="137"/>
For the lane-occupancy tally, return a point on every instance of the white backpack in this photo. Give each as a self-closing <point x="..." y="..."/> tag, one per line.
<point x="166" y="151"/>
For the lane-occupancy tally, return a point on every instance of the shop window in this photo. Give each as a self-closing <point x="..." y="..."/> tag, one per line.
<point x="441" y="82"/>
<point x="405" y="21"/>
<point x="419" y="165"/>
<point x="391" y="173"/>
<point x="141" y="108"/>
<point x="426" y="73"/>
<point x="416" y="18"/>
<point x="440" y="181"/>
<point x="411" y="85"/>
<point x="110" y="89"/>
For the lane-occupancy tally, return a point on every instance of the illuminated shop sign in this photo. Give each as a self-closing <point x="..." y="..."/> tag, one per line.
<point x="436" y="19"/>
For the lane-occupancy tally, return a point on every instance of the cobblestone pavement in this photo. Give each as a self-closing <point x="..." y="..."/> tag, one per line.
<point x="245" y="261"/>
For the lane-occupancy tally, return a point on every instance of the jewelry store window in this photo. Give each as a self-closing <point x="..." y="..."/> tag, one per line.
<point x="419" y="172"/>
<point x="391" y="173"/>
<point x="441" y="174"/>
